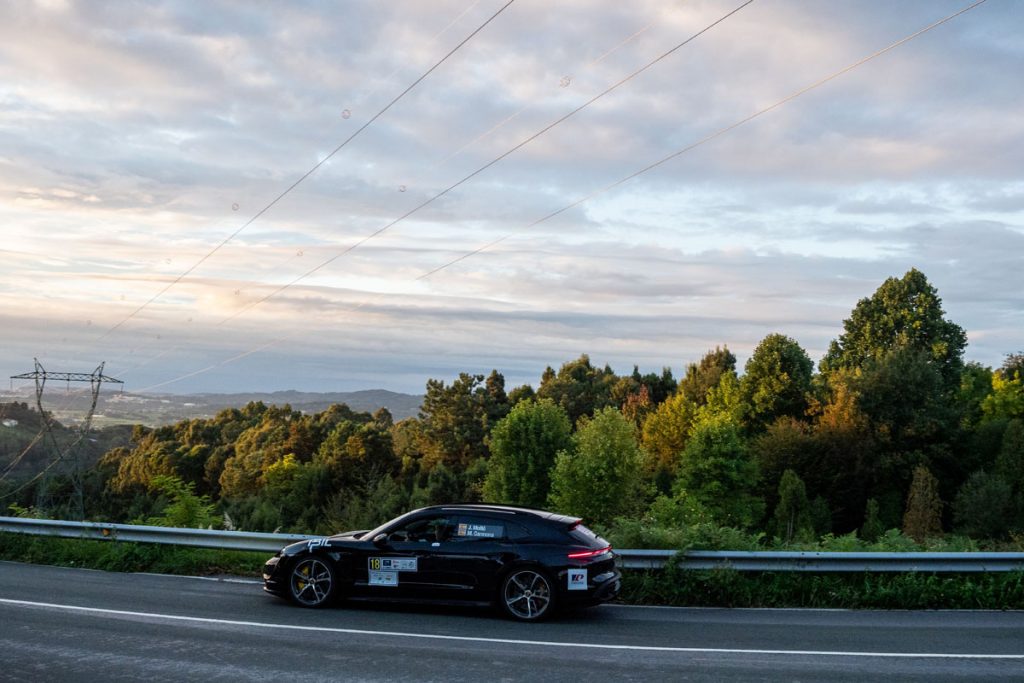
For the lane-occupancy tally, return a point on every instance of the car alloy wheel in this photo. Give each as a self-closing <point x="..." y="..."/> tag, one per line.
<point x="526" y="595"/>
<point x="312" y="582"/>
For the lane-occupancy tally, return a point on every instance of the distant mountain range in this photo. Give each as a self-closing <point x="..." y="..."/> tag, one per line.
<point x="161" y="409"/>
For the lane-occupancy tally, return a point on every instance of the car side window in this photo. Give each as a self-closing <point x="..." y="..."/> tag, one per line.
<point x="517" y="532"/>
<point x="423" y="530"/>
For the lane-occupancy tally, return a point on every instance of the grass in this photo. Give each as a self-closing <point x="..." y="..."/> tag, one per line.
<point x="730" y="588"/>
<point x="129" y="557"/>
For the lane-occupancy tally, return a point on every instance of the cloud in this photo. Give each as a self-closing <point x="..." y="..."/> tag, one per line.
<point x="130" y="133"/>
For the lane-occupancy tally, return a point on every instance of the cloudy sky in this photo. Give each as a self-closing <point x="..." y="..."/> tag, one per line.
<point x="136" y="137"/>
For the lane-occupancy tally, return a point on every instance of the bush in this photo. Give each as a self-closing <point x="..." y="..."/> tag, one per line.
<point x="128" y="557"/>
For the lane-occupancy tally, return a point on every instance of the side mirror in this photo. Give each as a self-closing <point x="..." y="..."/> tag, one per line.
<point x="380" y="540"/>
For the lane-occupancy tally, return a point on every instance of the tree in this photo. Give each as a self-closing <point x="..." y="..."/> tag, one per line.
<point x="848" y="465"/>
<point x="184" y="508"/>
<point x="1013" y="366"/>
<point x="923" y="518"/>
<point x="872" y="529"/>
<point x="1006" y="399"/>
<point x="902" y="394"/>
<point x="984" y="506"/>
<point x="718" y="472"/>
<point x="1010" y="467"/>
<point x="637" y="406"/>
<point x="903" y="313"/>
<point x="600" y="477"/>
<point x="701" y="377"/>
<point x="664" y="437"/>
<point x="523" y="450"/>
<point x="791" y="514"/>
<point x="776" y="381"/>
<point x="975" y="387"/>
<point x="457" y="418"/>
<point x="579" y="388"/>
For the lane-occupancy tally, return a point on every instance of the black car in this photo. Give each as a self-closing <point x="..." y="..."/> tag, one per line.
<point x="528" y="562"/>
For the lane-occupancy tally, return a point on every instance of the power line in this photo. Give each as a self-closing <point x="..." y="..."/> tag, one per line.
<point x="708" y="138"/>
<point x="625" y="41"/>
<point x="606" y="188"/>
<point x="308" y="173"/>
<point x="486" y="166"/>
<point x="593" y="62"/>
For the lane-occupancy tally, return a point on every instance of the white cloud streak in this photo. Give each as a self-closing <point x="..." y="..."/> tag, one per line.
<point x="128" y="133"/>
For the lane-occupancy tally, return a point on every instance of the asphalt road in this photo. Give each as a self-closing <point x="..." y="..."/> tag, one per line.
<point x="60" y="624"/>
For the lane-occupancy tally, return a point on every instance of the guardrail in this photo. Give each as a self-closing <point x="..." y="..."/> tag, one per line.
<point x="740" y="560"/>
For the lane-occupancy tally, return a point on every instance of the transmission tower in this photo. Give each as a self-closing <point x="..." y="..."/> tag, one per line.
<point x="96" y="378"/>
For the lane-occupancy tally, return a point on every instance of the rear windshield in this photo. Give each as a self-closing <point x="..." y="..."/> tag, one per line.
<point x="585" y="536"/>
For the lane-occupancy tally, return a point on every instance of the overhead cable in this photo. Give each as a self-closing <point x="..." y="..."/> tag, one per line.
<point x="308" y="173"/>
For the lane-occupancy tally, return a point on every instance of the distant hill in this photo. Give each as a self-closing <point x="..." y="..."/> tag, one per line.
<point x="160" y="409"/>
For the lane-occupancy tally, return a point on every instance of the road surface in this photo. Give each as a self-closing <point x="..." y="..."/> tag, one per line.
<point x="60" y="624"/>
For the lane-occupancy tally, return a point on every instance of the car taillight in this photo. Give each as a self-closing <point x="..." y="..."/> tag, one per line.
<point x="585" y="554"/>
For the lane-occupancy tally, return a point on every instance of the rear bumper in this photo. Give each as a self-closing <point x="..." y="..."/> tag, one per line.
<point x="601" y="587"/>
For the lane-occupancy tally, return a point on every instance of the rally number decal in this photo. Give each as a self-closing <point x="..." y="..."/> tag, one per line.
<point x="393" y="564"/>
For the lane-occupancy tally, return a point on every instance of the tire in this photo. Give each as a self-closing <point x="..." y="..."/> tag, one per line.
<point x="527" y="594"/>
<point x="312" y="582"/>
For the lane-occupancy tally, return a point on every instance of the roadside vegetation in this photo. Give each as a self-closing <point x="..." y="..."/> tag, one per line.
<point x="893" y="442"/>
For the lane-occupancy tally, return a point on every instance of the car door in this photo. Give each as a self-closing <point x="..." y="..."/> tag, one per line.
<point x="472" y="556"/>
<point x="408" y="564"/>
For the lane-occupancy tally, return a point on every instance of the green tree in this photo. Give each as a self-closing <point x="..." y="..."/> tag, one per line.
<point x="457" y="418"/>
<point x="975" y="387"/>
<point x="718" y="472"/>
<point x="1010" y="467"/>
<point x="184" y="508"/>
<point x="703" y="376"/>
<point x="776" y="381"/>
<point x="872" y="529"/>
<point x="523" y="450"/>
<point x="1013" y="366"/>
<point x="665" y="432"/>
<point x="600" y="478"/>
<point x="1006" y="399"/>
<point x="984" y="506"/>
<point x="792" y="519"/>
<point x="903" y="313"/>
<point x="787" y="444"/>
<point x="923" y="518"/>
<point x="578" y="387"/>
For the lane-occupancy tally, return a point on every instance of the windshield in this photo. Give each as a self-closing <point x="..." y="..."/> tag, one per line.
<point x="373" y="532"/>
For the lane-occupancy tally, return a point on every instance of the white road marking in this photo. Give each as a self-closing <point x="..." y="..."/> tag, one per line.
<point x="218" y="579"/>
<point x="505" y="641"/>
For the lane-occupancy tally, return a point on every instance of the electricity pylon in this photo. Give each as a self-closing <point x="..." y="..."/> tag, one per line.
<point x="96" y="378"/>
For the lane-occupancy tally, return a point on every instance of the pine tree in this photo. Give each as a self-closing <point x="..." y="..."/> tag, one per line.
<point x="923" y="518"/>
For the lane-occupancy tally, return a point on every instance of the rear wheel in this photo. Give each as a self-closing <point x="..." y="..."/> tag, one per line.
<point x="527" y="595"/>
<point x="312" y="582"/>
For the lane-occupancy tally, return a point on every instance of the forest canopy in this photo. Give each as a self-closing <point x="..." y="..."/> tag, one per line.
<point x="893" y="430"/>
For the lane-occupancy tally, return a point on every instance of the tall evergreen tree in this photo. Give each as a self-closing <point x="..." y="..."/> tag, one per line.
<point x="923" y="518"/>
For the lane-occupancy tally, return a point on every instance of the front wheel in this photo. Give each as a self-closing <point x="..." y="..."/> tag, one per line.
<point x="527" y="595"/>
<point x="312" y="582"/>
